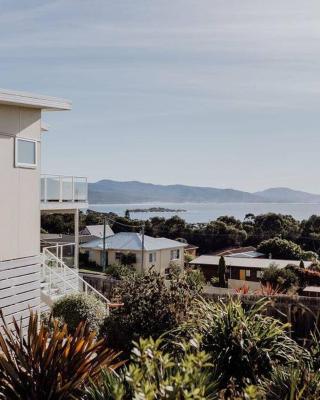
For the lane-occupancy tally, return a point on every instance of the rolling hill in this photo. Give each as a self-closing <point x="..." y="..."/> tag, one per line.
<point x="110" y="191"/>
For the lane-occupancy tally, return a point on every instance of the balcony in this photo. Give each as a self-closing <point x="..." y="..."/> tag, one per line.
<point x="63" y="192"/>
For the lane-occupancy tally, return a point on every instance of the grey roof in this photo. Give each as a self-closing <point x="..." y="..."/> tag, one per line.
<point x="246" y="254"/>
<point x="132" y="241"/>
<point x="25" y="99"/>
<point x="97" y="230"/>
<point x="315" y="289"/>
<point x="259" y="263"/>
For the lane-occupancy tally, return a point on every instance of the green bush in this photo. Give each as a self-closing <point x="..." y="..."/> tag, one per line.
<point x="195" y="279"/>
<point x="151" y="307"/>
<point x="79" y="307"/>
<point x="119" y="271"/>
<point x="244" y="344"/>
<point x="156" y="373"/>
<point x="282" y="278"/>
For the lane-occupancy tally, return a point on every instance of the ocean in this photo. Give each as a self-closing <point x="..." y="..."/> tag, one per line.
<point x="204" y="212"/>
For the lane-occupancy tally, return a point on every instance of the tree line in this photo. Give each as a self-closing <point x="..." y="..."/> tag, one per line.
<point x="224" y="232"/>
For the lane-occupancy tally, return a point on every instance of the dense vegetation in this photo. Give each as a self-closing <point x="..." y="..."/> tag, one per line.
<point x="219" y="350"/>
<point x="215" y="235"/>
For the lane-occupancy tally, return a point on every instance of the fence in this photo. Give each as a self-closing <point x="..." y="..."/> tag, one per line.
<point x="303" y="313"/>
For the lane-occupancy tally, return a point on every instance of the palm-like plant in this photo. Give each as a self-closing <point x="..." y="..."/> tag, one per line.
<point x="46" y="364"/>
<point x="244" y="343"/>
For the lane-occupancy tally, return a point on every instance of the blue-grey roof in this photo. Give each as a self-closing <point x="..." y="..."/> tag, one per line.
<point x="132" y="241"/>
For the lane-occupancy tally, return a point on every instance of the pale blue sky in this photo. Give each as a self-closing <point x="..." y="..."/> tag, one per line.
<point x="201" y="92"/>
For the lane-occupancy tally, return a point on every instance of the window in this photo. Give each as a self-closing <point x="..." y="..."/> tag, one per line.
<point x="119" y="256"/>
<point x="26" y="153"/>
<point x="247" y="273"/>
<point x="259" y="274"/>
<point x="174" y="254"/>
<point x="152" y="257"/>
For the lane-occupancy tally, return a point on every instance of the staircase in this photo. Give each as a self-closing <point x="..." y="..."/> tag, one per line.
<point x="58" y="279"/>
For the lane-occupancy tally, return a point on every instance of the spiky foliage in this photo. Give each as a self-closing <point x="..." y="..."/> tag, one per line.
<point x="109" y="386"/>
<point x="292" y="384"/>
<point x="49" y="365"/>
<point x="244" y="344"/>
<point x="269" y="290"/>
<point x="243" y="289"/>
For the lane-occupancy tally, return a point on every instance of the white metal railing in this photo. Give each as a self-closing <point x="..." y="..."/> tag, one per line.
<point x="57" y="274"/>
<point x="61" y="189"/>
<point x="65" y="252"/>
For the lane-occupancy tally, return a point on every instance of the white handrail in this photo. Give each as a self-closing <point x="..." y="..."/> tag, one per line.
<point x="53" y="272"/>
<point x="87" y="285"/>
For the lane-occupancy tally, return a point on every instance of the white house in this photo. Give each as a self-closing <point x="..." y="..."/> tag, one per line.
<point x="149" y="252"/>
<point x="26" y="275"/>
<point x="97" y="230"/>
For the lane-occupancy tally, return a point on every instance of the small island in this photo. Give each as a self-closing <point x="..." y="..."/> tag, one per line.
<point x="154" y="209"/>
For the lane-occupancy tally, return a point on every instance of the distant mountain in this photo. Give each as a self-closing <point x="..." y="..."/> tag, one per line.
<point x="286" y="195"/>
<point x="109" y="191"/>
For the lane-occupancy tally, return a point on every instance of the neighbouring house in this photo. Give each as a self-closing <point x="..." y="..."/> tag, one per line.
<point x="96" y="230"/>
<point x="158" y="253"/>
<point x="240" y="270"/>
<point x="191" y="250"/>
<point x="28" y="278"/>
<point x="249" y="252"/>
<point x="311" y="291"/>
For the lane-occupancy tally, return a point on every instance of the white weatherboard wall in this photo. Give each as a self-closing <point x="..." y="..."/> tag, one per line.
<point x="19" y="214"/>
<point x="20" y="196"/>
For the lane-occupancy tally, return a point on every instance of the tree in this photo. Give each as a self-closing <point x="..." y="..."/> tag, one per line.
<point x="127" y="214"/>
<point x="150" y="307"/>
<point x="281" y="249"/>
<point x="280" y="278"/>
<point x="222" y="272"/>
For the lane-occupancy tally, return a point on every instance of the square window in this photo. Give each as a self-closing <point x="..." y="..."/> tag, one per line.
<point x="175" y="254"/>
<point x="25" y="153"/>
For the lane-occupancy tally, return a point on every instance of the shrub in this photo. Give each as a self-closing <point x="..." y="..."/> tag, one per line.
<point x="155" y="373"/>
<point x="151" y="307"/>
<point x="119" y="271"/>
<point x="292" y="383"/>
<point x="244" y="344"/>
<point x="47" y="365"/>
<point x="75" y="308"/>
<point x="195" y="279"/>
<point x="280" y="278"/>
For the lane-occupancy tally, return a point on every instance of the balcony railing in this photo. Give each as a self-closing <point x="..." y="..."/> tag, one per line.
<point x="64" y="189"/>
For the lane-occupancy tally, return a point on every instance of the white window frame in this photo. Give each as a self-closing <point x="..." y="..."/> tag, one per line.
<point x="248" y="273"/>
<point x="25" y="165"/>
<point x="175" y="254"/>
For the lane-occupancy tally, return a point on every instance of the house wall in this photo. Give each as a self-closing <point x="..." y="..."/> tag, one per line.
<point x="20" y="198"/>
<point x="162" y="259"/>
<point x="19" y="213"/>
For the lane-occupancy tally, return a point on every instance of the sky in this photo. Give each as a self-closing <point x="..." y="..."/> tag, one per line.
<point x="198" y="92"/>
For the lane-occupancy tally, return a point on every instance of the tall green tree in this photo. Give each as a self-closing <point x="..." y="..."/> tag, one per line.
<point x="222" y="272"/>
